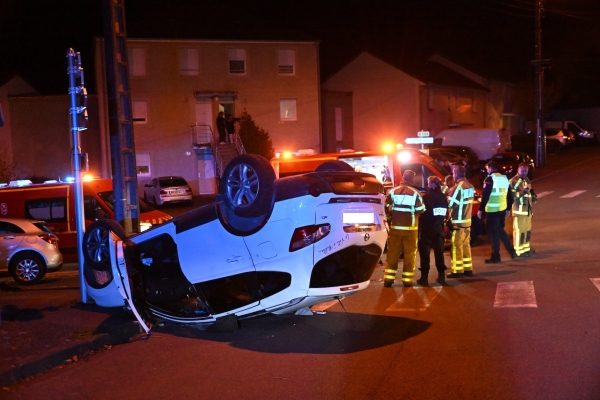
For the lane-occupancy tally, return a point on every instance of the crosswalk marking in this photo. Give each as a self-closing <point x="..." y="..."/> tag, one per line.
<point x="542" y="194"/>
<point x="415" y="299"/>
<point x="515" y="294"/>
<point x="572" y="194"/>
<point x="596" y="281"/>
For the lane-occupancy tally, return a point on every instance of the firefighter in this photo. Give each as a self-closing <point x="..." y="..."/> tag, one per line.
<point x="520" y="185"/>
<point x="431" y="230"/>
<point x="403" y="205"/>
<point x="460" y="204"/>
<point x="497" y="201"/>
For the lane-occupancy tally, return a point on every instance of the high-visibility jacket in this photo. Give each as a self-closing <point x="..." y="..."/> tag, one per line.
<point x="403" y="205"/>
<point x="460" y="202"/>
<point x="497" y="201"/>
<point x="523" y="201"/>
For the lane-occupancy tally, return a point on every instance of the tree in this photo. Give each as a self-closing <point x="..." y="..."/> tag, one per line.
<point x="255" y="139"/>
<point x="7" y="168"/>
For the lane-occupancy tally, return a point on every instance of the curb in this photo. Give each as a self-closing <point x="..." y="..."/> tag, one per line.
<point x="119" y="335"/>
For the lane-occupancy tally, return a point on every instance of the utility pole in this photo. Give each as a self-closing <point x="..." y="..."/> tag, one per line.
<point x="540" y="137"/>
<point x="122" y="143"/>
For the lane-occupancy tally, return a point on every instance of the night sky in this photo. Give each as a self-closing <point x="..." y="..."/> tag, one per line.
<point x="494" y="38"/>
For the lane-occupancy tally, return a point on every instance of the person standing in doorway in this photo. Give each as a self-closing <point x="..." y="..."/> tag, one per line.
<point x="229" y="127"/>
<point x="221" y="127"/>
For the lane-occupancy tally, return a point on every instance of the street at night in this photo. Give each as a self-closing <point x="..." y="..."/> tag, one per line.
<point x="522" y="329"/>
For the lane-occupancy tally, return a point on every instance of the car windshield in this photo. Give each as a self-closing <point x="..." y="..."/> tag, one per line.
<point x="108" y="199"/>
<point x="168" y="182"/>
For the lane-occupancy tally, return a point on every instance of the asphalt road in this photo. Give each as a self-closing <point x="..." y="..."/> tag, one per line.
<point x="526" y="329"/>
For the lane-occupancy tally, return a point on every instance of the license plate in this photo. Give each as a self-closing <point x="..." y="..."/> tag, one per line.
<point x="358" y="218"/>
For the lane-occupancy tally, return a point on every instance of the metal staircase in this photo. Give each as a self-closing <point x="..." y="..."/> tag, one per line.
<point x="204" y="142"/>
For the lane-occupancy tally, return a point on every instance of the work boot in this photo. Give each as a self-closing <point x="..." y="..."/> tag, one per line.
<point x="441" y="279"/>
<point x="514" y="255"/>
<point x="531" y="252"/>
<point x="492" y="261"/>
<point x="469" y="273"/>
<point x="423" y="280"/>
<point x="387" y="284"/>
<point x="454" y="275"/>
<point x="407" y="284"/>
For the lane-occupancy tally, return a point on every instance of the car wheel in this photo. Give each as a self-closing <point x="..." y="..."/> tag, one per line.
<point x="247" y="185"/>
<point x="27" y="268"/>
<point x="334" y="165"/>
<point x="95" y="243"/>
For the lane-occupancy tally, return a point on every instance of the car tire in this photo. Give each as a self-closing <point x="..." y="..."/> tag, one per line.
<point x="95" y="243"/>
<point x="27" y="268"/>
<point x="334" y="165"/>
<point x="154" y="200"/>
<point x="247" y="185"/>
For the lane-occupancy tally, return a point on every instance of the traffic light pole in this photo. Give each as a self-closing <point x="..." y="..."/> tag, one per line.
<point x="78" y="112"/>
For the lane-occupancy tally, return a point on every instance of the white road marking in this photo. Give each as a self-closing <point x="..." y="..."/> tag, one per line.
<point x="596" y="281"/>
<point x="415" y="299"/>
<point x="515" y="295"/>
<point x="572" y="194"/>
<point x="543" y="194"/>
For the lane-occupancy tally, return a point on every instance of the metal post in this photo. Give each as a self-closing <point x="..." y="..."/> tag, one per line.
<point x="77" y="92"/>
<point x="540" y="137"/>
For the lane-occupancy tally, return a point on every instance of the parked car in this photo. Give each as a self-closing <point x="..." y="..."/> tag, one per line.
<point x="28" y="249"/>
<point x="265" y="246"/>
<point x="167" y="189"/>
<point x="508" y="162"/>
<point x="565" y="138"/>
<point x="465" y="152"/>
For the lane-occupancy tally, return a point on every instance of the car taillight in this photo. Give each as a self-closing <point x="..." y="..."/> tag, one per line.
<point x="188" y="191"/>
<point x="307" y="235"/>
<point x="163" y="192"/>
<point x="49" y="238"/>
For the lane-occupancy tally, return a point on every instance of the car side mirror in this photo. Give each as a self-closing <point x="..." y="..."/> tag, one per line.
<point x="147" y="185"/>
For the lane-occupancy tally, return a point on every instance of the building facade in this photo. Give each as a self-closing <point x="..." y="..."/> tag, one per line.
<point x="179" y="84"/>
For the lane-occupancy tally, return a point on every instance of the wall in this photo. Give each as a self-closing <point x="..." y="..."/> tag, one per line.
<point x="341" y="101"/>
<point x="41" y="136"/>
<point x="385" y="101"/>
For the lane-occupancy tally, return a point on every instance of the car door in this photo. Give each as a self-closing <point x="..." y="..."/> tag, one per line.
<point x="9" y="240"/>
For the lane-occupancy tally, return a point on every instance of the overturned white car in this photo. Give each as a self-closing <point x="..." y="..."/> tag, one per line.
<point x="265" y="246"/>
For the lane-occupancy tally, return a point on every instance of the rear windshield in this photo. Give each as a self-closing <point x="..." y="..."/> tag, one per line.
<point x="172" y="182"/>
<point x="42" y="226"/>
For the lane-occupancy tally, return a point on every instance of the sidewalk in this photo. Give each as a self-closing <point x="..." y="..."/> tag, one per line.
<point x="43" y="331"/>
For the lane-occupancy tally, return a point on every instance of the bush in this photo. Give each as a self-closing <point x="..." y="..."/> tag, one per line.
<point x="255" y="139"/>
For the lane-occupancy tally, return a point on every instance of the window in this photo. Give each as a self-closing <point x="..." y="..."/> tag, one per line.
<point x="287" y="62"/>
<point x="49" y="210"/>
<point x="287" y="109"/>
<point x="137" y="61"/>
<point x="143" y="164"/>
<point x="140" y="111"/>
<point x="237" y="61"/>
<point x="188" y="61"/>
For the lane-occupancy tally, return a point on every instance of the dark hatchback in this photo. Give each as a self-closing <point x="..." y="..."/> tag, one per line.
<point x="508" y="162"/>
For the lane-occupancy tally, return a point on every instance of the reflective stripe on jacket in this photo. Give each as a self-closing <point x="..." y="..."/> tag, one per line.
<point x="460" y="202"/>
<point x="522" y="203"/>
<point x="403" y="205"/>
<point x="497" y="201"/>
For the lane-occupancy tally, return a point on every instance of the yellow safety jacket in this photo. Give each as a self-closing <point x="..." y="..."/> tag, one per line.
<point x="497" y="201"/>
<point x="523" y="201"/>
<point x="460" y="203"/>
<point x="403" y="205"/>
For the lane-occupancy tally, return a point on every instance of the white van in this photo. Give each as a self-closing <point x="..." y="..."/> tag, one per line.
<point x="484" y="141"/>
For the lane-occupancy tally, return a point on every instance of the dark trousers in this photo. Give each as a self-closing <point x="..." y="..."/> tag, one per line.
<point x="495" y="229"/>
<point x="427" y="241"/>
